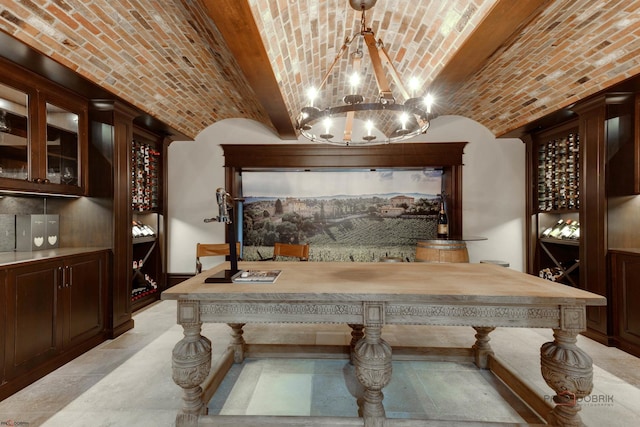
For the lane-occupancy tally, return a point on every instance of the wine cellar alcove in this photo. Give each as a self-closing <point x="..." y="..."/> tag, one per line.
<point x="595" y="187"/>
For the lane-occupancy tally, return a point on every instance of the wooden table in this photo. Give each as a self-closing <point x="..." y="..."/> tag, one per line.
<point x="367" y="296"/>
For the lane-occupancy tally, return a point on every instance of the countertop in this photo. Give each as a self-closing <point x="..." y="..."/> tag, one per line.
<point x="9" y="258"/>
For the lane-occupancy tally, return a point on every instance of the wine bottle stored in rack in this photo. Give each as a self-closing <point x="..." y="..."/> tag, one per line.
<point x="145" y="177"/>
<point x="559" y="174"/>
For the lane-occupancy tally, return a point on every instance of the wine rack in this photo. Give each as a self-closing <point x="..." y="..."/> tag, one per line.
<point x="147" y="207"/>
<point x="145" y="177"/>
<point x="555" y="208"/>
<point x="147" y="270"/>
<point x="559" y="173"/>
<point x="558" y="247"/>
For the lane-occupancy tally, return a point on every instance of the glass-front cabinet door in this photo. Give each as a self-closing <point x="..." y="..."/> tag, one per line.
<point x="62" y="146"/>
<point x="43" y="137"/>
<point x="14" y="133"/>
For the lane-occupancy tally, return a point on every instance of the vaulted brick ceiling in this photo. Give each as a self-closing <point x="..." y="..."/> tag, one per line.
<point x="190" y="63"/>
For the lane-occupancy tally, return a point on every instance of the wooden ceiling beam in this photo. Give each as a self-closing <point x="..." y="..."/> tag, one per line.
<point x="501" y="24"/>
<point x="234" y="20"/>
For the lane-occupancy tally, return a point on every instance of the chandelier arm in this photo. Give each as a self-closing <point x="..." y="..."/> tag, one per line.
<point x="348" y="127"/>
<point x="339" y="56"/>
<point x="394" y="72"/>
<point x="381" y="79"/>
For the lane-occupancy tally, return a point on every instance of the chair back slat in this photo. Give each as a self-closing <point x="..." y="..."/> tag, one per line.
<point x="213" y="249"/>
<point x="290" y="250"/>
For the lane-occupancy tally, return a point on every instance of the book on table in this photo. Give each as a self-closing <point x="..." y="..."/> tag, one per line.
<point x="256" y="276"/>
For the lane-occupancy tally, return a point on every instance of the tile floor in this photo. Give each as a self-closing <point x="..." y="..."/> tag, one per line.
<point x="127" y="381"/>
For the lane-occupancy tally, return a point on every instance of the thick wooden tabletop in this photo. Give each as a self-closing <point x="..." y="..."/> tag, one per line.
<point x="462" y="283"/>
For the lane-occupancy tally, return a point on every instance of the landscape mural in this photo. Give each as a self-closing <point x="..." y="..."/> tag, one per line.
<point x="343" y="215"/>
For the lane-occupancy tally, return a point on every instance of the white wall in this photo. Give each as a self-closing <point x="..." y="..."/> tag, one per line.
<point x="493" y="187"/>
<point x="196" y="170"/>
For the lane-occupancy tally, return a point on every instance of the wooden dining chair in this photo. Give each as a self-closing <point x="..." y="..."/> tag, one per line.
<point x="290" y="250"/>
<point x="213" y="249"/>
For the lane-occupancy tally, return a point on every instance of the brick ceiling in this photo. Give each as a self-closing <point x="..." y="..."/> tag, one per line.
<point x="171" y="60"/>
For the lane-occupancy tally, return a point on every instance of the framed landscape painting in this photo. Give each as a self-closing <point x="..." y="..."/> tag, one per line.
<point x="355" y="215"/>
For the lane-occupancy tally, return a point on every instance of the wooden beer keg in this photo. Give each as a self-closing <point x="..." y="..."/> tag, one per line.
<point x="442" y="251"/>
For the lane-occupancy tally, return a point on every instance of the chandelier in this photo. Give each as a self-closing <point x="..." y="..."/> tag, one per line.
<point x="380" y="119"/>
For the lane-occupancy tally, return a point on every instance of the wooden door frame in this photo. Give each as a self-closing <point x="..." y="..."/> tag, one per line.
<point x="306" y="157"/>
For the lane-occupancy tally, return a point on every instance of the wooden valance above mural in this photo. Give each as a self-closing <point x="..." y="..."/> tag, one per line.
<point x="446" y="156"/>
<point x="306" y="156"/>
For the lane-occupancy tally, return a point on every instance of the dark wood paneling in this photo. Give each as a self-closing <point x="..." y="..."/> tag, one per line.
<point x="636" y="144"/>
<point x="175" y="278"/>
<point x="123" y="251"/>
<point x="626" y="300"/>
<point x="593" y="214"/>
<point x="623" y="148"/>
<point x="120" y="118"/>
<point x="531" y="208"/>
<point x="452" y="185"/>
<point x="620" y="146"/>
<point x="623" y="222"/>
<point x="4" y="297"/>
<point x="309" y="156"/>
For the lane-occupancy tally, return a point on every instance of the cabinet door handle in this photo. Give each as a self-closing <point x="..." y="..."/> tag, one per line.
<point x="67" y="282"/>
<point x="60" y="278"/>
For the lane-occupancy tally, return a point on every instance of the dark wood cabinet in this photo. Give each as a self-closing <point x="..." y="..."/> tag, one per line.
<point x="625" y="280"/>
<point x="44" y="129"/>
<point x="608" y="127"/>
<point x="605" y="127"/>
<point x="55" y="310"/>
<point x="136" y="194"/>
<point x="83" y="298"/>
<point x="63" y="135"/>
<point x="34" y="317"/>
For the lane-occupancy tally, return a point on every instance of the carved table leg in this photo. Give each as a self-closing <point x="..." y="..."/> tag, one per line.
<point x="191" y="366"/>
<point x="372" y="359"/>
<point x="357" y="332"/>
<point x="568" y="371"/>
<point x="237" y="343"/>
<point x="481" y="348"/>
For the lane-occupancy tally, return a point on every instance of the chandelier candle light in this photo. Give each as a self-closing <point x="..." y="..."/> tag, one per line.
<point x="379" y="121"/>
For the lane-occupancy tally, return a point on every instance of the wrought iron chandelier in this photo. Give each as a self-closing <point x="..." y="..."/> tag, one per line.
<point x="379" y="120"/>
